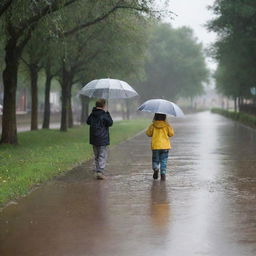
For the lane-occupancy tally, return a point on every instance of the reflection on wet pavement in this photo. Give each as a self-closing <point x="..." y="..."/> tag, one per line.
<point x="160" y="205"/>
<point x="205" y="207"/>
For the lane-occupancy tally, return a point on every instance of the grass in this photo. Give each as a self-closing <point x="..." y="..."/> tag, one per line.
<point x="244" y="118"/>
<point x="44" y="154"/>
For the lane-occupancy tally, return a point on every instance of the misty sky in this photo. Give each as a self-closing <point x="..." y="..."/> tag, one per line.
<point x="194" y="13"/>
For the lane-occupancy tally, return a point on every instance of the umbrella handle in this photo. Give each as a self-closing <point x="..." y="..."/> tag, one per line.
<point x="106" y="107"/>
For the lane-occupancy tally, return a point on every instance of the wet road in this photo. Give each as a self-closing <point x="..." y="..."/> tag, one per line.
<point x="207" y="206"/>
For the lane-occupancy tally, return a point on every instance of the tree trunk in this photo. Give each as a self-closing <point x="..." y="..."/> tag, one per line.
<point x="239" y="103"/>
<point x="65" y="95"/>
<point x="25" y="99"/>
<point x="227" y="104"/>
<point x="64" y="107"/>
<point x="9" y="126"/>
<point x="235" y="103"/>
<point x="34" y="96"/>
<point x="47" y="106"/>
<point x="70" y="113"/>
<point x="85" y="109"/>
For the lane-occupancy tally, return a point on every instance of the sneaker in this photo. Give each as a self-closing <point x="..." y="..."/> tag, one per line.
<point x="162" y="176"/>
<point x="100" y="176"/>
<point x="155" y="175"/>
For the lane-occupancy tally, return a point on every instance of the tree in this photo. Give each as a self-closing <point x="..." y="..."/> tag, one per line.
<point x="125" y="43"/>
<point x="110" y="48"/>
<point x="4" y="5"/>
<point x="175" y="66"/>
<point x="50" y="73"/>
<point x="235" y="49"/>
<point x="32" y="57"/>
<point x="18" y="29"/>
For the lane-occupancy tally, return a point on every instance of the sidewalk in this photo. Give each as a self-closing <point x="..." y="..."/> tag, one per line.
<point x="205" y="207"/>
<point x="53" y="125"/>
<point x="24" y="128"/>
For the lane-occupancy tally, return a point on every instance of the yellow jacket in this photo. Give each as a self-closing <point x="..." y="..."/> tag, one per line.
<point x="160" y="131"/>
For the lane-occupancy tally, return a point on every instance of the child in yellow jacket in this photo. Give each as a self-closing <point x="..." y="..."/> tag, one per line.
<point x="160" y="131"/>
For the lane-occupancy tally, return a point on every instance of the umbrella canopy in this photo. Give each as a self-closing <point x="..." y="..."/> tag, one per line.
<point x="162" y="107"/>
<point x="108" y="89"/>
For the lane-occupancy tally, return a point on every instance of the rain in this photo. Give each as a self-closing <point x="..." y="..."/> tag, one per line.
<point x="127" y="128"/>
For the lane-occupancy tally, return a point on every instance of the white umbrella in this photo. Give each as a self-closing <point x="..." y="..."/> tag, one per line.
<point x="108" y="89"/>
<point x="162" y="107"/>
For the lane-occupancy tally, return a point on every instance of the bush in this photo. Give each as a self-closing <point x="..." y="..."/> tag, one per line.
<point x="244" y="118"/>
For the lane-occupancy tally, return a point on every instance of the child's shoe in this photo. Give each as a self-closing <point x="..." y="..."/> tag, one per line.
<point x="100" y="176"/>
<point x="163" y="177"/>
<point x="155" y="175"/>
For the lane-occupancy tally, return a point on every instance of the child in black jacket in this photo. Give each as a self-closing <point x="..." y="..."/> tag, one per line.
<point x="99" y="121"/>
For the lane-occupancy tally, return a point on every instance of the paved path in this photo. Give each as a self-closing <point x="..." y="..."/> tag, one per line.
<point x="205" y="207"/>
<point x="26" y="127"/>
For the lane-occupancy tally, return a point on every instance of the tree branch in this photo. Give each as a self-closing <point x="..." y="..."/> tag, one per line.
<point x="90" y="37"/>
<point x="102" y="17"/>
<point x="26" y="63"/>
<point x="81" y="63"/>
<point x="23" y="43"/>
<point x="5" y="6"/>
<point x="48" y="9"/>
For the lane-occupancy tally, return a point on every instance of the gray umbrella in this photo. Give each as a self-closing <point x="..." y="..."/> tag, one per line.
<point x="108" y="89"/>
<point x="162" y="107"/>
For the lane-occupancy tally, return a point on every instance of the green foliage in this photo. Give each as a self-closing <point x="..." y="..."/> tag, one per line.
<point x="235" y="49"/>
<point x="114" y="47"/>
<point x="122" y="47"/>
<point x="176" y="64"/>
<point x="58" y="20"/>
<point x="46" y="153"/>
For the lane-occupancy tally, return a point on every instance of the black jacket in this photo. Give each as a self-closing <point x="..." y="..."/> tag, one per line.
<point x="99" y="121"/>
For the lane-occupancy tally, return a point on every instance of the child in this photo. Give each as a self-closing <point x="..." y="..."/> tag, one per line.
<point x="160" y="131"/>
<point x="99" y="121"/>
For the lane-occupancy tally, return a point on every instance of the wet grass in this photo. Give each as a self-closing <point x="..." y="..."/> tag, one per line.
<point x="44" y="154"/>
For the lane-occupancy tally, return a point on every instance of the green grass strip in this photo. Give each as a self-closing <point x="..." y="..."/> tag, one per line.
<point x="44" y="154"/>
<point x="244" y="118"/>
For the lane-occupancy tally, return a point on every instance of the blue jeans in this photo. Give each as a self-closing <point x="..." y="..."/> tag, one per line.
<point x="159" y="159"/>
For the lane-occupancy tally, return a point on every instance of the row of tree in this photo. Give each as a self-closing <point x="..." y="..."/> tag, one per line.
<point x="61" y="36"/>
<point x="75" y="41"/>
<point x="235" y="49"/>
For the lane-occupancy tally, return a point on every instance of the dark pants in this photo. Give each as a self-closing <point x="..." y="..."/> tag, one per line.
<point x="159" y="159"/>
